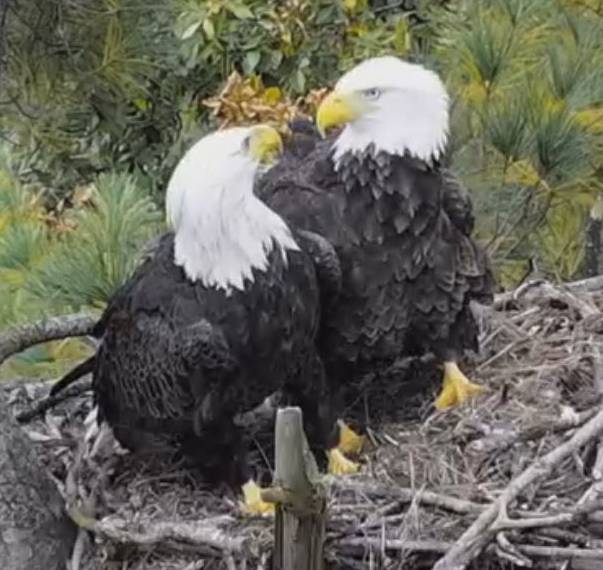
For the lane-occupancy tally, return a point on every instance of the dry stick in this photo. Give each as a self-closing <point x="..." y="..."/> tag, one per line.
<point x="21" y="337"/>
<point x="439" y="547"/>
<point x="197" y="534"/>
<point x="405" y="495"/>
<point x="565" y="291"/>
<point x="51" y="401"/>
<point x="499" y="442"/>
<point x="556" y="519"/>
<point x="485" y="527"/>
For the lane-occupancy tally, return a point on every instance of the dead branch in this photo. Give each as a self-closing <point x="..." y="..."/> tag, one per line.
<point x="51" y="401"/>
<point x="205" y="535"/>
<point x="21" y="337"/>
<point x="502" y="440"/>
<point x="438" y="547"/>
<point x="566" y="292"/>
<point x="484" y="529"/>
<point x="405" y="495"/>
<point x="557" y="519"/>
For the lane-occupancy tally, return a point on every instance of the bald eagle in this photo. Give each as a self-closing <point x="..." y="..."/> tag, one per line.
<point x="224" y="313"/>
<point x="400" y="222"/>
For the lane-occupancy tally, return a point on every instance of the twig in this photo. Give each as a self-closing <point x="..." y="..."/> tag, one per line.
<point x="51" y="401"/>
<point x="407" y="495"/>
<point x="566" y="292"/>
<point x="501" y="441"/>
<point x="439" y="547"/>
<point x="19" y="338"/>
<point x="483" y="530"/>
<point x="557" y="519"/>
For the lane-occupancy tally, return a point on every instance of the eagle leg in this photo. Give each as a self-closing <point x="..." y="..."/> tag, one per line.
<point x="456" y="387"/>
<point x="350" y="443"/>
<point x="253" y="503"/>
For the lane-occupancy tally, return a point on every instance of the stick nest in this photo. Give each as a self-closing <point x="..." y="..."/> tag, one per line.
<point x="426" y="475"/>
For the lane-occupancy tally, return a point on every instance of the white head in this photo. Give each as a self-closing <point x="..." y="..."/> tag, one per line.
<point x="398" y="106"/>
<point x="222" y="231"/>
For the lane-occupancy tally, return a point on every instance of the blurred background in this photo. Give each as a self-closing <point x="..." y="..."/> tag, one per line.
<point x="100" y="98"/>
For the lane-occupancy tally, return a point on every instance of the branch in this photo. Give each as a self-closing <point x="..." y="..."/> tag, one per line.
<point x="484" y="529"/>
<point x="439" y="547"/>
<point x="502" y="440"/>
<point x="405" y="495"/>
<point x="51" y="401"/>
<point x="201" y="534"/>
<point x="557" y="519"/>
<point x="565" y="291"/>
<point x="21" y="337"/>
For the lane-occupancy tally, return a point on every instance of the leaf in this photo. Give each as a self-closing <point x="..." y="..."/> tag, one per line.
<point x="590" y="119"/>
<point x="402" y="37"/>
<point x="299" y="81"/>
<point x="240" y="11"/>
<point x="209" y="29"/>
<point x="522" y="173"/>
<point x="189" y="32"/>
<point x="252" y="58"/>
<point x="273" y="95"/>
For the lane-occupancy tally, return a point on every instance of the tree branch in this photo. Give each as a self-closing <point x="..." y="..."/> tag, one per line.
<point x="404" y="495"/>
<point x="206" y="534"/>
<point x="484" y="529"/>
<point x="439" y="547"/>
<point x="21" y="337"/>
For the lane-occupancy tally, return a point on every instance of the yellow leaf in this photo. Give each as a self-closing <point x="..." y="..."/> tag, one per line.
<point x="553" y="104"/>
<point x="255" y="81"/>
<point x="591" y="119"/>
<point x="12" y="277"/>
<point x="523" y="173"/>
<point x="141" y="104"/>
<point x="272" y="95"/>
<point x="353" y="6"/>
<point x="358" y="29"/>
<point x="474" y="93"/>
<point x="402" y="37"/>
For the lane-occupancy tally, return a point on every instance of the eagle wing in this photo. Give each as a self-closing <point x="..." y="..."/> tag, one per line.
<point x="472" y="261"/>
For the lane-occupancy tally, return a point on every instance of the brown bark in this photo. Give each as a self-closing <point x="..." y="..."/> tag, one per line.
<point x="35" y="532"/>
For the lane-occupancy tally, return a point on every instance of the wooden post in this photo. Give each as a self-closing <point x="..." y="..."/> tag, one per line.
<point x="300" y="496"/>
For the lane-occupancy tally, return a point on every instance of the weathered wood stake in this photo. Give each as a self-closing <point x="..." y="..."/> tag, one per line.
<point x="300" y="496"/>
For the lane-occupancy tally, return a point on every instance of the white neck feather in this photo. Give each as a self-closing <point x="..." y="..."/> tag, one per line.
<point x="410" y="115"/>
<point x="405" y="124"/>
<point x="223" y="232"/>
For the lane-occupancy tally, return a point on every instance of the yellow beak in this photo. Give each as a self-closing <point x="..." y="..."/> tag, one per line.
<point x="337" y="110"/>
<point x="265" y="144"/>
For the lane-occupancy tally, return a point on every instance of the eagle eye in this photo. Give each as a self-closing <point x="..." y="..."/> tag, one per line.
<point x="371" y="94"/>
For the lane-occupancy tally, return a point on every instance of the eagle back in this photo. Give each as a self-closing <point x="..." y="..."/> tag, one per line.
<point x="169" y="343"/>
<point x="405" y="260"/>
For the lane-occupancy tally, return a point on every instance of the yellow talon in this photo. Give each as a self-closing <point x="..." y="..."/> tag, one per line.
<point x="456" y="388"/>
<point x="253" y="504"/>
<point x="339" y="464"/>
<point x="350" y="443"/>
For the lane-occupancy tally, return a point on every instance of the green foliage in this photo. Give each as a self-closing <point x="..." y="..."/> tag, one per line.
<point x="528" y="82"/>
<point x="90" y="263"/>
<point x="49" y="266"/>
<point x="97" y="90"/>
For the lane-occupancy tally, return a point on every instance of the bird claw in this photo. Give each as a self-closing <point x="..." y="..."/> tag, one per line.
<point x="456" y="389"/>
<point x="350" y="443"/>
<point x="253" y="503"/>
<point x="339" y="464"/>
